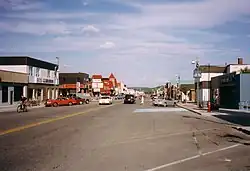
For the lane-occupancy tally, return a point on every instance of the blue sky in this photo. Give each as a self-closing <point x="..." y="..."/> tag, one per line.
<point x="143" y="42"/>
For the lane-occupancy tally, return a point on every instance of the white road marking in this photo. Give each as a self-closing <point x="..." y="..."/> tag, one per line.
<point x="152" y="110"/>
<point x="191" y="158"/>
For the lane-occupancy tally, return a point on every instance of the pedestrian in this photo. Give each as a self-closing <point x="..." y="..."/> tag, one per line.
<point x="142" y="100"/>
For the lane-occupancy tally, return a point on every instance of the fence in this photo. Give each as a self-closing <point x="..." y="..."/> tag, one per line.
<point x="244" y="105"/>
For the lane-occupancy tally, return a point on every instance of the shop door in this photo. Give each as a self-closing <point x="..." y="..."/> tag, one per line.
<point x="11" y="97"/>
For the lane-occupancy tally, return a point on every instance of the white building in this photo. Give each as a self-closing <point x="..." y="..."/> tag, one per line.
<point x="209" y="71"/>
<point x="97" y="84"/>
<point x="43" y="77"/>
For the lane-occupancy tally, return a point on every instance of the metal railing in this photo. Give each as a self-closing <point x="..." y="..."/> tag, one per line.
<point x="244" y="105"/>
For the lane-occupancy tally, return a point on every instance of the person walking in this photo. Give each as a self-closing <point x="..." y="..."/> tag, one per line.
<point x="142" y="100"/>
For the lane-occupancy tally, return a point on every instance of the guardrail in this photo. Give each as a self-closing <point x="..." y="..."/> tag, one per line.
<point x="244" y="105"/>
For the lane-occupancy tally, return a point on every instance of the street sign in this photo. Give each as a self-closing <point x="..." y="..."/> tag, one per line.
<point x="78" y="87"/>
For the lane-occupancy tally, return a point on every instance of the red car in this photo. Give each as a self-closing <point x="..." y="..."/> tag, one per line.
<point x="60" y="102"/>
<point x="79" y="100"/>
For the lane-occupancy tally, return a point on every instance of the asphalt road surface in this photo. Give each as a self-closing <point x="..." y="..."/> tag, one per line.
<point x="118" y="137"/>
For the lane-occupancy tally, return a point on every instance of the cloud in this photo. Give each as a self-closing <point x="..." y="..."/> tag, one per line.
<point x="156" y="41"/>
<point x="90" y="28"/>
<point x="21" y="5"/>
<point x="35" y="28"/>
<point x="107" y="45"/>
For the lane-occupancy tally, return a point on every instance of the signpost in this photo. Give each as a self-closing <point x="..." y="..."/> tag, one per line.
<point x="197" y="76"/>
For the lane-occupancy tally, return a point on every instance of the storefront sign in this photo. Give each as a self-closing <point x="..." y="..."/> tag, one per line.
<point x="44" y="81"/>
<point x="228" y="79"/>
<point x="96" y="80"/>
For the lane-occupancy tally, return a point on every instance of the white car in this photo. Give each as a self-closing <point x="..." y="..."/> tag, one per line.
<point x="105" y="100"/>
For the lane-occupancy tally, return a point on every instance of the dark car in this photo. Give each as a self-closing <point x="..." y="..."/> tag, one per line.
<point x="129" y="98"/>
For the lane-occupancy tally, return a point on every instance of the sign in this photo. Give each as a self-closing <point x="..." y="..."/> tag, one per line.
<point x="96" y="80"/>
<point x="228" y="79"/>
<point x="96" y="90"/>
<point x="197" y="73"/>
<point x="78" y="87"/>
<point x="44" y="81"/>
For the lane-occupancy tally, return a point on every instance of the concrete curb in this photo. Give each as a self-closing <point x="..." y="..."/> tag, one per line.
<point x="238" y="128"/>
<point x="241" y="129"/>
<point x="191" y="110"/>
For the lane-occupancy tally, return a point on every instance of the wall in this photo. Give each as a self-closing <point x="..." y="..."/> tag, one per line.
<point x="207" y="76"/>
<point x="43" y="75"/>
<point x="15" y="68"/>
<point x="237" y="68"/>
<point x="13" y="77"/>
<point x="245" y="87"/>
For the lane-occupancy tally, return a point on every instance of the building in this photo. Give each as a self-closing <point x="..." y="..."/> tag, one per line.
<point x="73" y="83"/>
<point x="43" y="77"/>
<point x="107" y="86"/>
<point x="97" y="84"/>
<point x="114" y="89"/>
<point x="188" y="92"/>
<point x="230" y="89"/>
<point x="207" y="72"/>
<point x="11" y="86"/>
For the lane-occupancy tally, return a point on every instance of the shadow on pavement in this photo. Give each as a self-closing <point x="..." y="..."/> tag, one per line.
<point x="208" y="120"/>
<point x="239" y="119"/>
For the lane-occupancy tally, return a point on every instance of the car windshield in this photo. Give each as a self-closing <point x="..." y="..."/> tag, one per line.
<point x="129" y="96"/>
<point x="105" y="97"/>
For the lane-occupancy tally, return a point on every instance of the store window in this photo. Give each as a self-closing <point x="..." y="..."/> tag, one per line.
<point x="48" y="73"/>
<point x="37" y="72"/>
<point x="31" y="71"/>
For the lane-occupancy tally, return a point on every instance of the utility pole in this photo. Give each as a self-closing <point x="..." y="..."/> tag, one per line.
<point x="197" y="76"/>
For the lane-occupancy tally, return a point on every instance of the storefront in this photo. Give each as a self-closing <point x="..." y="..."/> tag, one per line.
<point x="226" y="90"/>
<point x="11" y="87"/>
<point x="42" y="92"/>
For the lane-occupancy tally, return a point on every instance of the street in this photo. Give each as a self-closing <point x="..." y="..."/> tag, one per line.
<point x="118" y="137"/>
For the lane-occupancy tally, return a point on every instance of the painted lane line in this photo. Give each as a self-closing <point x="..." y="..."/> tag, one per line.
<point x="17" y="129"/>
<point x="192" y="158"/>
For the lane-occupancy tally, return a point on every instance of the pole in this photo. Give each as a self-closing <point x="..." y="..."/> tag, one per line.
<point x="198" y="85"/>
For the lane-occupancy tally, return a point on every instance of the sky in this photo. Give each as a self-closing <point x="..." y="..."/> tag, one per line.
<point x="143" y="42"/>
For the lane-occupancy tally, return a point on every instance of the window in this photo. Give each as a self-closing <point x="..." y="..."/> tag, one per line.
<point x="30" y="70"/>
<point x="37" y="72"/>
<point x="48" y="73"/>
<point x="78" y="79"/>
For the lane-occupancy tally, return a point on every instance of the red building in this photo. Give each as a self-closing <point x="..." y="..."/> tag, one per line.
<point x="107" y="86"/>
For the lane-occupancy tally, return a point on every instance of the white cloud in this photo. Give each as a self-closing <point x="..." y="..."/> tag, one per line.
<point x="20" y="5"/>
<point x="107" y="45"/>
<point x="90" y="28"/>
<point x="158" y="39"/>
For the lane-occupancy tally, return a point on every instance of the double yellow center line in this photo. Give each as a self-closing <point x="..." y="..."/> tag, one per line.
<point x="17" y="129"/>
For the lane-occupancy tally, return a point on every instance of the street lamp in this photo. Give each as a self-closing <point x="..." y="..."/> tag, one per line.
<point x="197" y="76"/>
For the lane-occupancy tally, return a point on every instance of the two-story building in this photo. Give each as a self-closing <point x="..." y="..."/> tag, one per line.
<point x="43" y="77"/>
<point x="71" y="83"/>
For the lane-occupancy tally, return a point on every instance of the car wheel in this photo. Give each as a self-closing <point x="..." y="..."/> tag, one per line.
<point x="80" y="102"/>
<point x="55" y="104"/>
<point x="87" y="101"/>
<point x="70" y="103"/>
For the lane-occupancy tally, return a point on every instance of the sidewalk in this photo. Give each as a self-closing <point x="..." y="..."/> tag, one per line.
<point x="203" y="112"/>
<point x="12" y="108"/>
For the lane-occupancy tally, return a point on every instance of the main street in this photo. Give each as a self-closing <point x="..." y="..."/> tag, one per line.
<point x="118" y="137"/>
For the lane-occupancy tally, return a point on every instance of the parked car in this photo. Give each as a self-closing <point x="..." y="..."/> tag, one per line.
<point x="105" y="100"/>
<point x="163" y="102"/>
<point x="60" y="102"/>
<point x="79" y="100"/>
<point x="129" y="98"/>
<point x="86" y="97"/>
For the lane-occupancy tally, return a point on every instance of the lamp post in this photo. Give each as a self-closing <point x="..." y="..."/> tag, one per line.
<point x="197" y="76"/>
